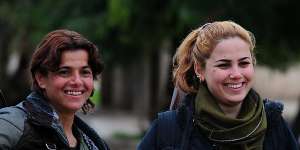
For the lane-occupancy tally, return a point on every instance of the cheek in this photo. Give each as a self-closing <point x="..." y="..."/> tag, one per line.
<point x="58" y="82"/>
<point x="216" y="75"/>
<point x="89" y="83"/>
<point x="249" y="73"/>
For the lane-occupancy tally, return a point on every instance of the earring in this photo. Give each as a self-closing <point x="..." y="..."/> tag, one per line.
<point x="200" y="78"/>
<point x="92" y="94"/>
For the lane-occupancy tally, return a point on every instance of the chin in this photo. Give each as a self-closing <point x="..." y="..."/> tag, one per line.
<point x="74" y="107"/>
<point x="236" y="99"/>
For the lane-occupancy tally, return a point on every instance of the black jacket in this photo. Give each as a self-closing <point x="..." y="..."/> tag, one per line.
<point x="33" y="124"/>
<point x="179" y="132"/>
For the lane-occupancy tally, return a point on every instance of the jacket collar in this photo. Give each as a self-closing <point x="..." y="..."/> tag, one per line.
<point x="39" y="110"/>
<point x="40" y="113"/>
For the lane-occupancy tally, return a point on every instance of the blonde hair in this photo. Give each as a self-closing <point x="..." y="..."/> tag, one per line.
<point x="197" y="48"/>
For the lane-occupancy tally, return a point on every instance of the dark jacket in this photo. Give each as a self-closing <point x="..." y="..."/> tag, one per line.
<point x="33" y="124"/>
<point x="181" y="133"/>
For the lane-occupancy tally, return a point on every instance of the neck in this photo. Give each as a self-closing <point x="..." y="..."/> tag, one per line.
<point x="231" y="111"/>
<point x="67" y="122"/>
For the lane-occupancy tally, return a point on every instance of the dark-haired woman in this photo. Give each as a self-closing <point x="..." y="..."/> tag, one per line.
<point x="63" y="68"/>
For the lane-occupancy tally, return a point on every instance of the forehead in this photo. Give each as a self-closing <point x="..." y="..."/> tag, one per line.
<point x="231" y="48"/>
<point x="74" y="57"/>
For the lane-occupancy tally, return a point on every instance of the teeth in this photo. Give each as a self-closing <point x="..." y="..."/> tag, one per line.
<point x="74" y="93"/>
<point x="234" y="86"/>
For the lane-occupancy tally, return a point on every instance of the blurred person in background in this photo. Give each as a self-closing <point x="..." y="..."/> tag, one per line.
<point x="63" y="68"/>
<point x="218" y="108"/>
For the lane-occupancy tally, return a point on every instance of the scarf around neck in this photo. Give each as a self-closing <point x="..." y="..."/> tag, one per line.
<point x="245" y="132"/>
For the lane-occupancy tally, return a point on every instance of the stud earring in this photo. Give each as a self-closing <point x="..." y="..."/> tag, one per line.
<point x="200" y="78"/>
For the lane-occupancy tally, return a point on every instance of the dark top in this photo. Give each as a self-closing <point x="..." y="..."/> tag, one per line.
<point x="33" y="124"/>
<point x="174" y="130"/>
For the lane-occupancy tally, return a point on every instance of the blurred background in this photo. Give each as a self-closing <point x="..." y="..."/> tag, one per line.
<point x="137" y="39"/>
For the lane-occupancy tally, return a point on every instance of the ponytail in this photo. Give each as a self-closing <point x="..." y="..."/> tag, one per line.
<point x="183" y="72"/>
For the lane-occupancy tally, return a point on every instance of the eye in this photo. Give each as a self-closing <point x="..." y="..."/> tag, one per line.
<point x="87" y="72"/>
<point x="63" y="72"/>
<point x="244" y="64"/>
<point x="223" y="65"/>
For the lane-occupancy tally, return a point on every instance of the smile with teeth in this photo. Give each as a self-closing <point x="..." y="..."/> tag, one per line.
<point x="73" y="93"/>
<point x="234" y="85"/>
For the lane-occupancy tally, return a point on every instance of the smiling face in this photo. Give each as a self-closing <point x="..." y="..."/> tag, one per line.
<point x="229" y="71"/>
<point x="68" y="88"/>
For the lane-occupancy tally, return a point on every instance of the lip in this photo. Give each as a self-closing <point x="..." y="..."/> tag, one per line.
<point x="74" y="93"/>
<point x="235" y="87"/>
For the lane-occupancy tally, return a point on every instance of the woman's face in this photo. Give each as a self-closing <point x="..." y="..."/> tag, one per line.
<point x="71" y="85"/>
<point x="229" y="72"/>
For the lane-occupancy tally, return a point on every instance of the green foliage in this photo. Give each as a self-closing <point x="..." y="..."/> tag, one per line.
<point x="119" y="13"/>
<point x="129" y="29"/>
<point x="96" y="98"/>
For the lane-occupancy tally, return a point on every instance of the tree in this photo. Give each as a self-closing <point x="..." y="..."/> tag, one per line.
<point x="131" y="31"/>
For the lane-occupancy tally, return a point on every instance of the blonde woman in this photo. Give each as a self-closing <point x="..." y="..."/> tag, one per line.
<point x="219" y="109"/>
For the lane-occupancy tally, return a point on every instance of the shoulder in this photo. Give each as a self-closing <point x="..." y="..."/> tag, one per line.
<point x="158" y="134"/>
<point x="273" y="109"/>
<point x="278" y="133"/>
<point x="148" y="142"/>
<point x="11" y="125"/>
<point x="273" y="105"/>
<point x="14" y="115"/>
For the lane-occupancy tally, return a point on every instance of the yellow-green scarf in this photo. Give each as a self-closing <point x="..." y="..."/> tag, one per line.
<point x="246" y="132"/>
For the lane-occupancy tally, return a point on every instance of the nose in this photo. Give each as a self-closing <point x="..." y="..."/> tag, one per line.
<point x="235" y="73"/>
<point x="76" y="79"/>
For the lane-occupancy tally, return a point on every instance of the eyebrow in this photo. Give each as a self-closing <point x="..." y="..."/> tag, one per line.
<point x="68" y="67"/>
<point x="227" y="60"/>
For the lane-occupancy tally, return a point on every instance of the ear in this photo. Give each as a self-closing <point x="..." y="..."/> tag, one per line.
<point x="41" y="80"/>
<point x="199" y="71"/>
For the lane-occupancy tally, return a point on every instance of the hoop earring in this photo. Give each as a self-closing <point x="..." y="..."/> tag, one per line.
<point x="92" y="94"/>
